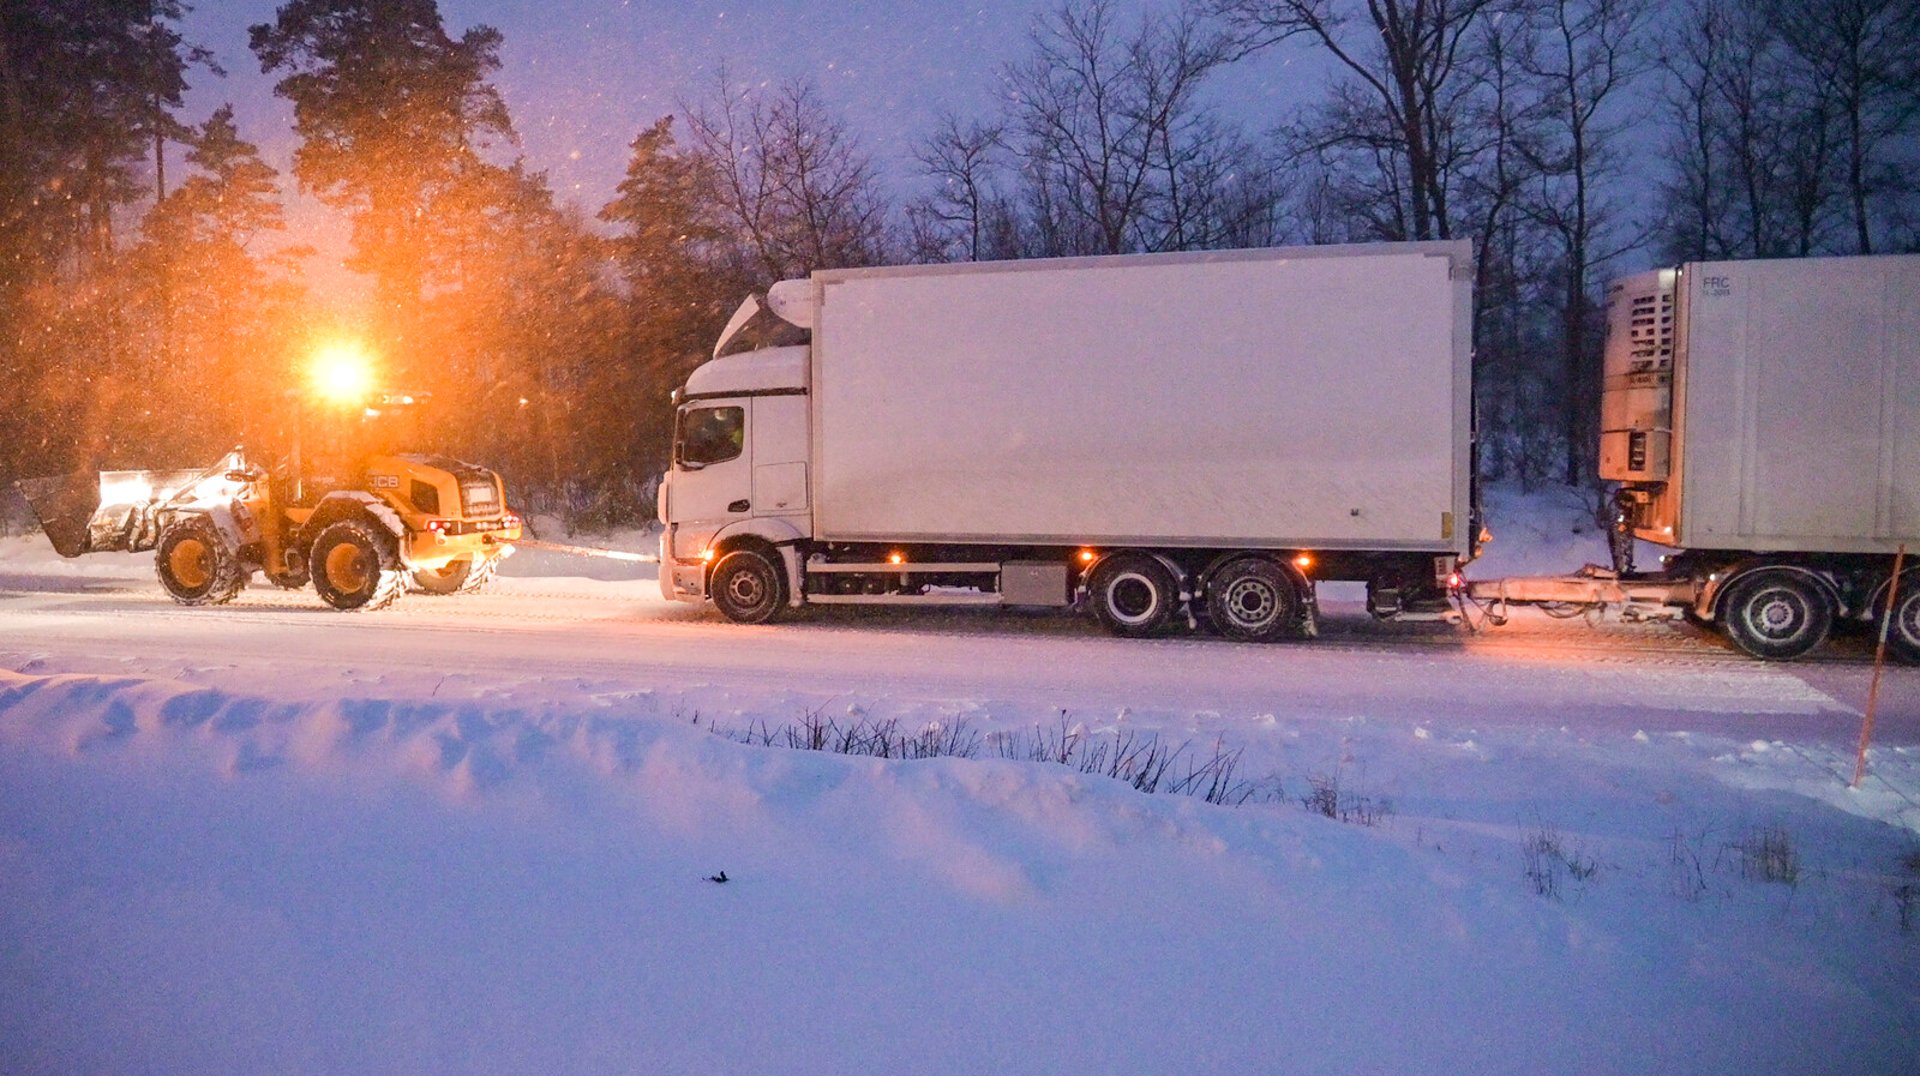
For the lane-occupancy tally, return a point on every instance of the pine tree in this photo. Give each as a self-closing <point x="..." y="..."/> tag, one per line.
<point x="394" y="118"/>
<point x="224" y="306"/>
<point x="683" y="266"/>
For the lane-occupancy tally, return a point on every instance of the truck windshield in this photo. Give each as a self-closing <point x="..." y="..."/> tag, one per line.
<point x="709" y="435"/>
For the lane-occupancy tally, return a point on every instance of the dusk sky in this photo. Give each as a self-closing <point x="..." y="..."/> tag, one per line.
<point x="582" y="77"/>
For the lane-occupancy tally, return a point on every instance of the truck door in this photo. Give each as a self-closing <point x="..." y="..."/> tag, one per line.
<point x="712" y="481"/>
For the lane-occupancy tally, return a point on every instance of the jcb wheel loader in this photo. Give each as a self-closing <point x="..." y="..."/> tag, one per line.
<point x="359" y="527"/>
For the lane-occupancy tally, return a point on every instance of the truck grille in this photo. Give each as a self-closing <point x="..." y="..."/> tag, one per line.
<point x="480" y="497"/>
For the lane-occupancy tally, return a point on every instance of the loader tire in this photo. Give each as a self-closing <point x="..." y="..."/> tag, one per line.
<point x="196" y="565"/>
<point x="463" y="576"/>
<point x="356" y="566"/>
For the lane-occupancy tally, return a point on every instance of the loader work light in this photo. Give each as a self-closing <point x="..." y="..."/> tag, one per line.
<point x="341" y="372"/>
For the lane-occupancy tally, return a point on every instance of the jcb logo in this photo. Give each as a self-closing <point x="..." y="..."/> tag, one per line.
<point x="384" y="481"/>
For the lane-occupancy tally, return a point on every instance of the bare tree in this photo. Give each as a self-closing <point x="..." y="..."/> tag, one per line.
<point x="1117" y="152"/>
<point x="1581" y="54"/>
<point x="965" y="217"/>
<point x="1757" y="141"/>
<point x="1862" y="57"/>
<point x="797" y="183"/>
<point x="1407" y="61"/>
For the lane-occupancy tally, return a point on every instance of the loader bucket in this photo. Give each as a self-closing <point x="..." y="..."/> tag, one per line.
<point x="65" y="506"/>
<point x="115" y="511"/>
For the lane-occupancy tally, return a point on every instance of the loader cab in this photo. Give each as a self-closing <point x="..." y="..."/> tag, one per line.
<point x="739" y="458"/>
<point x="330" y="446"/>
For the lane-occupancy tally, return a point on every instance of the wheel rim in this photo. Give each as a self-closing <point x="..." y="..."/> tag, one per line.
<point x="1777" y="614"/>
<point x="1906" y="619"/>
<point x="188" y="561"/>
<point x="1251" y="603"/>
<point x="745" y="589"/>
<point x="1132" y="598"/>
<point x="346" y="568"/>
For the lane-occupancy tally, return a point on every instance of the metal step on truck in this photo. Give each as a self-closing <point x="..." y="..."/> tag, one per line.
<point x="1762" y="420"/>
<point x="1191" y="439"/>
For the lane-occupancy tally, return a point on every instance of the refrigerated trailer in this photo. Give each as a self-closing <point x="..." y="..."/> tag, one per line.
<point x="1195" y="437"/>
<point x="1762" y="419"/>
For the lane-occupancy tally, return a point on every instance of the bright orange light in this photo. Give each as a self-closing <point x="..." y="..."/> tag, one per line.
<point x="706" y="554"/>
<point x="341" y="372"/>
<point x="1303" y="561"/>
<point x="1086" y="556"/>
<point x="896" y="558"/>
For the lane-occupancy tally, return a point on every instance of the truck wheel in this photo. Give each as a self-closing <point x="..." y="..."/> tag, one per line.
<point x="195" y="564"/>
<point x="356" y="565"/>
<point x="1133" y="594"/>
<point x="1903" y="635"/>
<point x="748" y="588"/>
<point x="1777" y="615"/>
<point x="462" y="576"/>
<point x="1254" y="600"/>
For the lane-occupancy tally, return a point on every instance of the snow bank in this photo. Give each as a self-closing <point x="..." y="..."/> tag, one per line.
<point x="194" y="879"/>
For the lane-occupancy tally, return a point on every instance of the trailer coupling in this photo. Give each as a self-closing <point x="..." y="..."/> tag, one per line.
<point x="1591" y="590"/>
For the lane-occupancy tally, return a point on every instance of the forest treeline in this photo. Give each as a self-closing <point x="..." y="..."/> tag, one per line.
<point x="153" y="312"/>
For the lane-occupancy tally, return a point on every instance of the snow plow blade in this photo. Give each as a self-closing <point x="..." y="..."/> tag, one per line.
<point x="117" y="511"/>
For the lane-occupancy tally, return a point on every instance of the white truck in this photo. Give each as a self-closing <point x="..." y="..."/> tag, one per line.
<point x="1178" y="438"/>
<point x="1763" y="420"/>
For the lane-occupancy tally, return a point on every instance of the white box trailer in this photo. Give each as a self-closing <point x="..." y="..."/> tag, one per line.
<point x="1763" y="419"/>
<point x="1159" y="434"/>
<point x="1784" y="408"/>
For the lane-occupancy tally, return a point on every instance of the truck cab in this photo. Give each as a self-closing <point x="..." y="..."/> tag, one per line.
<point x="739" y="463"/>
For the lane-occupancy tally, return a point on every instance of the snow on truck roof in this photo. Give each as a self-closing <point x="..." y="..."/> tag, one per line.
<point x="764" y="370"/>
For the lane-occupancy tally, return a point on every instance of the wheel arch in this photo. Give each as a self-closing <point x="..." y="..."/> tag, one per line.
<point x="1184" y="580"/>
<point x="1713" y="599"/>
<point x="351" y="504"/>
<point x="1277" y="557"/>
<point x="1909" y="579"/>
<point x="776" y="538"/>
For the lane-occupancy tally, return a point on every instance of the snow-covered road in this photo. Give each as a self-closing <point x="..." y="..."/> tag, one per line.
<point x="107" y="615"/>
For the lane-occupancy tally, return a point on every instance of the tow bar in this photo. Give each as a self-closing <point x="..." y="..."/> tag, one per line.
<point x="580" y="550"/>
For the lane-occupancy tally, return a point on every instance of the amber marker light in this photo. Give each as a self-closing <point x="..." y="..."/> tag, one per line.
<point x="1303" y="561"/>
<point x="1086" y="556"/>
<point x="341" y="372"/>
<point x="706" y="554"/>
<point x="896" y="558"/>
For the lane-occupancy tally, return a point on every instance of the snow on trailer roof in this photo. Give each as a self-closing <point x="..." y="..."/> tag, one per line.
<point x="769" y="369"/>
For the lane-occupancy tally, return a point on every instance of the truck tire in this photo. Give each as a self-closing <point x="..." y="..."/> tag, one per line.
<point x="1133" y="594"/>
<point x="1777" y="615"/>
<point x="356" y="566"/>
<point x="1254" y="600"/>
<point x="748" y="587"/>
<point x="462" y="576"/>
<point x="1903" y="635"/>
<point x="195" y="564"/>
